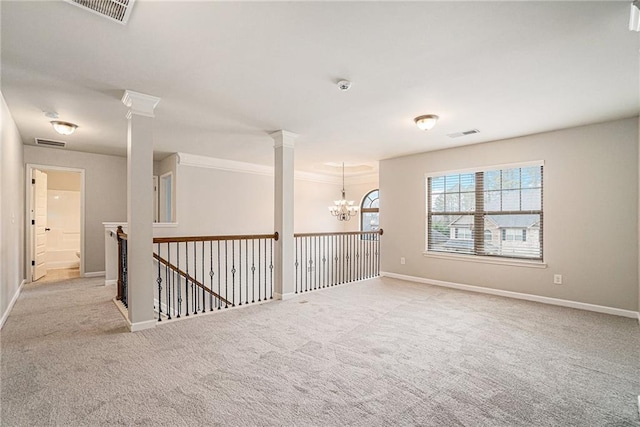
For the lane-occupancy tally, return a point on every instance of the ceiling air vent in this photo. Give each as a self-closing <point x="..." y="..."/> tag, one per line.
<point x="116" y="10"/>
<point x="50" y="143"/>
<point x="464" y="133"/>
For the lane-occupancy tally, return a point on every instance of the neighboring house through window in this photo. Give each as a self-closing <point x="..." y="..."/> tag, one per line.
<point x="486" y="212"/>
<point x="369" y="212"/>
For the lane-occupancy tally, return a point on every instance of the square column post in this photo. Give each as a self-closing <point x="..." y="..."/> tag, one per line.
<point x="140" y="209"/>
<point x="283" y="214"/>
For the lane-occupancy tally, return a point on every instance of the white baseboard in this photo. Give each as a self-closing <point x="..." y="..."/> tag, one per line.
<point x="133" y="327"/>
<point x="5" y="315"/>
<point x="110" y="282"/>
<point x="517" y="295"/>
<point x="94" y="274"/>
<point x="283" y="297"/>
<point x="141" y="326"/>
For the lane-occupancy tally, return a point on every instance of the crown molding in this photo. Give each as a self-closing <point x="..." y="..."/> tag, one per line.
<point x="195" y="160"/>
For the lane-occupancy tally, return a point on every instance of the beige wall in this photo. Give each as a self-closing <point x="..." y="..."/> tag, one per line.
<point x="105" y="193"/>
<point x="590" y="214"/>
<point x="11" y="210"/>
<point x="356" y="190"/>
<point x="216" y="202"/>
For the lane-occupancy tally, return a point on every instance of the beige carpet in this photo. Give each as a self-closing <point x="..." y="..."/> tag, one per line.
<point x="381" y="352"/>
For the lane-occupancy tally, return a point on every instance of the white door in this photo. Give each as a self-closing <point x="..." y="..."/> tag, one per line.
<point x="40" y="223"/>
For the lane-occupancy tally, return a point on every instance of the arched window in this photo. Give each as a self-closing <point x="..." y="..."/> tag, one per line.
<point x="369" y="212"/>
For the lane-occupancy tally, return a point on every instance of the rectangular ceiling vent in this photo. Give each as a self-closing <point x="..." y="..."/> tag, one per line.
<point x="115" y="10"/>
<point x="50" y="143"/>
<point x="464" y="133"/>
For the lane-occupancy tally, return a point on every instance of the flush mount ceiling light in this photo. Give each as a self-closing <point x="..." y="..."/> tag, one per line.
<point x="64" y="128"/>
<point x="426" y="122"/>
<point x="634" y="19"/>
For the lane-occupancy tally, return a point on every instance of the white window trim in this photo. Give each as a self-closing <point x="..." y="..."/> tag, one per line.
<point x="485" y="259"/>
<point x="480" y="258"/>
<point x="484" y="168"/>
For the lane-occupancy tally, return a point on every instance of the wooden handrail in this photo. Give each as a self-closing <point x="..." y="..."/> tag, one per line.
<point x="188" y="277"/>
<point x="340" y="233"/>
<point x="273" y="236"/>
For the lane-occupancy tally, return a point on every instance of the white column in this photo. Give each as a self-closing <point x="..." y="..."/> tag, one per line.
<point x="283" y="214"/>
<point x="140" y="209"/>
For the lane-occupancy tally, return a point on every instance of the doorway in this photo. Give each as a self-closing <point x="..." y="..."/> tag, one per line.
<point x="55" y="223"/>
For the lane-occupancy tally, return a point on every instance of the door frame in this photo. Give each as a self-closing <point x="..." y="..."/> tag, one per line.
<point x="30" y="235"/>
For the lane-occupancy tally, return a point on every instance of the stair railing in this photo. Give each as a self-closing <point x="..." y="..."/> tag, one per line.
<point x="197" y="274"/>
<point x="123" y="282"/>
<point x="328" y="259"/>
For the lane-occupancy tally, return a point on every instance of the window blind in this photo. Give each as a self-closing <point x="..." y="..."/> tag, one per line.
<point x="493" y="212"/>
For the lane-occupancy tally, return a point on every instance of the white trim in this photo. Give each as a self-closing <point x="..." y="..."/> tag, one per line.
<point x="122" y="309"/>
<point x="133" y="327"/>
<point x="516" y="295"/>
<point x="111" y="282"/>
<point x="485" y="168"/>
<point x="485" y="259"/>
<point x="284" y="297"/>
<point x="29" y="241"/>
<point x="6" y="313"/>
<point x="94" y="274"/>
<point x="124" y="224"/>
<point x="139" y="103"/>
<point x="283" y="138"/>
<point x="141" y="326"/>
<point x="194" y="160"/>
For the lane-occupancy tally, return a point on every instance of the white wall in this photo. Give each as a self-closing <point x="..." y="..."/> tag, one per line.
<point x="11" y="211"/>
<point x="105" y="198"/>
<point x="590" y="214"/>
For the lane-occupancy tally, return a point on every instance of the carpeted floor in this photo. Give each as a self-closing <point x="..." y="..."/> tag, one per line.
<point x="381" y="352"/>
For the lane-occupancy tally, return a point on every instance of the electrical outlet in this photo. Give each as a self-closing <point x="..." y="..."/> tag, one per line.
<point x="403" y="261"/>
<point x="557" y="279"/>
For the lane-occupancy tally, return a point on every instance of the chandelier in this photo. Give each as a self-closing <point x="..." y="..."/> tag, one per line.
<point x="343" y="210"/>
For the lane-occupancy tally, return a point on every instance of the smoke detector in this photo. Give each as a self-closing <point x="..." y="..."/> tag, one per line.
<point x="344" y="85"/>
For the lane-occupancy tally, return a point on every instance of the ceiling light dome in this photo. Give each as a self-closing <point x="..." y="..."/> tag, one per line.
<point x="64" y="128"/>
<point x="426" y="122"/>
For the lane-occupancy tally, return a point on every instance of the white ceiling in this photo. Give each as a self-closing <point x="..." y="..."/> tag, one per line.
<point x="228" y="73"/>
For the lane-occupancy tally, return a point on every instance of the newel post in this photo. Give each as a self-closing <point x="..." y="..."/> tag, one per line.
<point x="140" y="209"/>
<point x="283" y="213"/>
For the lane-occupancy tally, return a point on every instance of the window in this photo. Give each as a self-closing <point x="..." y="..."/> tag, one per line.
<point x="463" y="233"/>
<point x="166" y="197"/>
<point x="492" y="212"/>
<point x="369" y="212"/>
